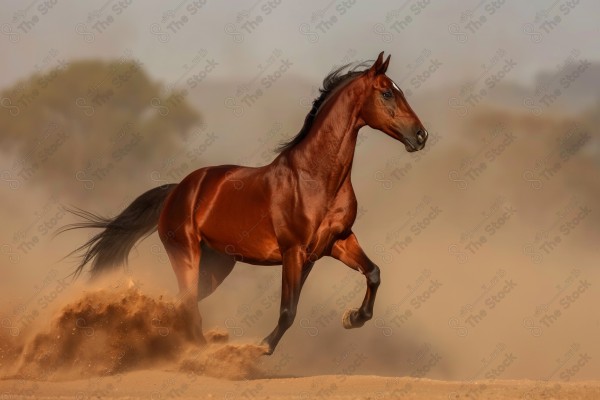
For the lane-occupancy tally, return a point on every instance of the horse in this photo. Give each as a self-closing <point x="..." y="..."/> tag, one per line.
<point x="291" y="212"/>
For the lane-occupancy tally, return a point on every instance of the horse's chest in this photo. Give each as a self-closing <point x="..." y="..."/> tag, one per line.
<point x="337" y="221"/>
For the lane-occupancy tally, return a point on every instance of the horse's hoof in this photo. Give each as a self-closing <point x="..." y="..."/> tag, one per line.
<point x="267" y="350"/>
<point x="346" y="318"/>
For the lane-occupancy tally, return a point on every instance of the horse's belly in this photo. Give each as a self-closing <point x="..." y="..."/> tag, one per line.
<point x="254" y="246"/>
<point x="237" y="226"/>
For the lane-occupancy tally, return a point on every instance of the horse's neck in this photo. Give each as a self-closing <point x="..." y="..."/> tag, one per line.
<point x="327" y="152"/>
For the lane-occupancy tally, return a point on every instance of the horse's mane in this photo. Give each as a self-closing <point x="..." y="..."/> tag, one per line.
<point x="333" y="80"/>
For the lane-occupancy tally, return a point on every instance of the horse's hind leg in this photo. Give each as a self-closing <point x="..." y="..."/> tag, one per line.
<point x="214" y="268"/>
<point x="185" y="253"/>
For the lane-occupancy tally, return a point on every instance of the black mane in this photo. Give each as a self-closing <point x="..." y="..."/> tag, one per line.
<point x="334" y="79"/>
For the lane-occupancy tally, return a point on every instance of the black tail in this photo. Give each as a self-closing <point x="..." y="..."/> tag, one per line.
<point x="110" y="248"/>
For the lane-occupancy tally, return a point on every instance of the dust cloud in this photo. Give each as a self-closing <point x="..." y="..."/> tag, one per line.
<point x="428" y="296"/>
<point x="112" y="331"/>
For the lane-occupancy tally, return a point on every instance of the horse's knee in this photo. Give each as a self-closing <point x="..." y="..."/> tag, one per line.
<point x="286" y="318"/>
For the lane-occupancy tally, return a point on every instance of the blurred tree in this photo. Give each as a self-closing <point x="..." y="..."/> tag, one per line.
<point x="88" y="119"/>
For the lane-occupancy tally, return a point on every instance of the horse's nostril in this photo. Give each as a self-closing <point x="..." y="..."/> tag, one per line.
<point x="422" y="136"/>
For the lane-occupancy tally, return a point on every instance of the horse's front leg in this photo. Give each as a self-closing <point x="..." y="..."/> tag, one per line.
<point x="293" y="273"/>
<point x="349" y="252"/>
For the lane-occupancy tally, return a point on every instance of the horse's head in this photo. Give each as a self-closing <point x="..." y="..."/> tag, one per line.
<point x="385" y="108"/>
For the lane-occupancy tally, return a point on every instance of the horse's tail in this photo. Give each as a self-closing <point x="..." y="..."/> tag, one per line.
<point x="110" y="248"/>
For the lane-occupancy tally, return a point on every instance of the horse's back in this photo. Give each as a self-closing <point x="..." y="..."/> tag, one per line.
<point x="190" y="196"/>
<point x="230" y="207"/>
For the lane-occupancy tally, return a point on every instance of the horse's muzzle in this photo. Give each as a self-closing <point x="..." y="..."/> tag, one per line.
<point x="422" y="136"/>
<point x="417" y="143"/>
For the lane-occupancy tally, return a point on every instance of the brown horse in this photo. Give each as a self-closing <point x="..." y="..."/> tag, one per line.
<point x="291" y="212"/>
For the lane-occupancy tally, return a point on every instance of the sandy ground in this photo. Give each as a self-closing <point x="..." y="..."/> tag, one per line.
<point x="105" y="344"/>
<point x="157" y="384"/>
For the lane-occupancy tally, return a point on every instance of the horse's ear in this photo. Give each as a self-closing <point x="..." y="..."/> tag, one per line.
<point x="378" y="63"/>
<point x="384" y="66"/>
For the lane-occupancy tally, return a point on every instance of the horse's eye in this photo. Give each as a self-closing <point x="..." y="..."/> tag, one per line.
<point x="387" y="94"/>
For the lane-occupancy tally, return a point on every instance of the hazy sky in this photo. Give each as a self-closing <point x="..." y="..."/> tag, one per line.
<point x="314" y="35"/>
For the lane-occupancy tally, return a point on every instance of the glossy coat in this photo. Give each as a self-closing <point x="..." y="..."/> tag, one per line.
<point x="293" y="211"/>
